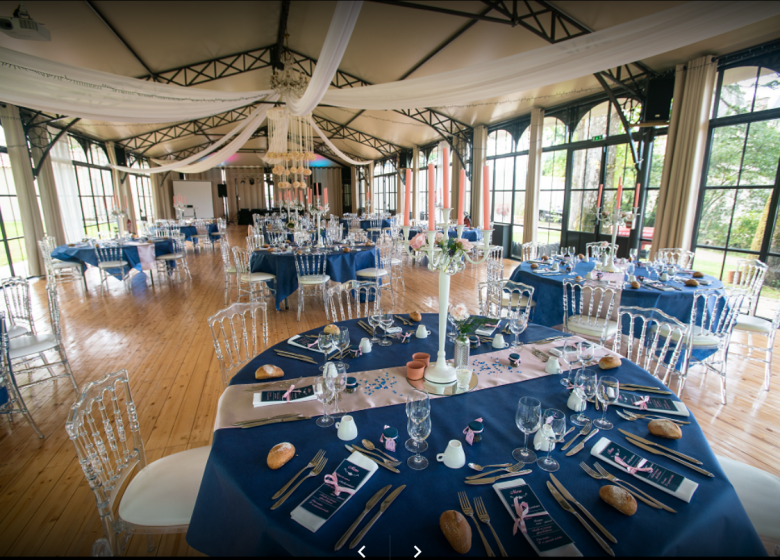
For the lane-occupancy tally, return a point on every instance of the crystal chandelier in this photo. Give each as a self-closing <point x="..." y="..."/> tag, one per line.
<point x="288" y="81"/>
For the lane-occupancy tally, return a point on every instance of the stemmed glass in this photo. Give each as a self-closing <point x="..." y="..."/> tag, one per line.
<point x="553" y="428"/>
<point x="633" y="253"/>
<point x="607" y="392"/>
<point x="418" y="408"/>
<point x="324" y="342"/>
<point x="527" y="418"/>
<point x="323" y="394"/>
<point x="386" y="320"/>
<point x="586" y="352"/>
<point x="336" y="376"/>
<point x="451" y="334"/>
<point x="419" y="431"/>
<point x="374" y="321"/>
<point x="516" y="326"/>
<point x="342" y="343"/>
<point x="585" y="384"/>
<point x="571" y="353"/>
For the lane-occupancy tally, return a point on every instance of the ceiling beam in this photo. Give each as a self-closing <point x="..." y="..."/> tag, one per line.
<point x="280" y="35"/>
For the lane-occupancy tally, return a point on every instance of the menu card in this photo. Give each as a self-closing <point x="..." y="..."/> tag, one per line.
<point x="265" y="398"/>
<point x="320" y="505"/>
<point x="663" y="479"/>
<point x="479" y="325"/>
<point x="541" y="531"/>
<point x="655" y="404"/>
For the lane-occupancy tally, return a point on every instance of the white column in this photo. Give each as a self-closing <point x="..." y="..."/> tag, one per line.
<point x="533" y="177"/>
<point x="415" y="169"/>
<point x="480" y="153"/>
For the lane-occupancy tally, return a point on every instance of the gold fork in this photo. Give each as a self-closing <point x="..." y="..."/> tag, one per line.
<point x="612" y="478"/>
<point x="317" y="470"/>
<point x="483" y="516"/>
<point x="631" y="416"/>
<point x="310" y="465"/>
<point x="513" y="469"/>
<point x="465" y="505"/>
<point x="598" y="476"/>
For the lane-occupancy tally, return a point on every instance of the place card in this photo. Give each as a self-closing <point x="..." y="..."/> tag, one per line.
<point x="663" y="479"/>
<point x="664" y="405"/>
<point x="266" y="398"/>
<point x="320" y="505"/>
<point x="541" y="531"/>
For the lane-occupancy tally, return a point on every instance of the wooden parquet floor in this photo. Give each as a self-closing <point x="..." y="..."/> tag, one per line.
<point x="160" y="336"/>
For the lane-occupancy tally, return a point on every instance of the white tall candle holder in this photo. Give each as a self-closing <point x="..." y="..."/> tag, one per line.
<point x="446" y="265"/>
<point x="179" y="211"/>
<point x="318" y="211"/>
<point x="615" y="219"/>
<point x="120" y="216"/>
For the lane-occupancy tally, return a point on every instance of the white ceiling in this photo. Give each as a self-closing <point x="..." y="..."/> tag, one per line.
<point x="386" y="43"/>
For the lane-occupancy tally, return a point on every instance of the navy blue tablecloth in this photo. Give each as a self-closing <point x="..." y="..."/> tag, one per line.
<point x="340" y="267"/>
<point x="232" y="515"/>
<point x="85" y="254"/>
<point x="191" y="231"/>
<point x="468" y="234"/>
<point x="365" y="224"/>
<point x="548" y="294"/>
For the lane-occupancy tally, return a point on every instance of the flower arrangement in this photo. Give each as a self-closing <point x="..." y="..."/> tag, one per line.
<point x="459" y="315"/>
<point x="290" y="225"/>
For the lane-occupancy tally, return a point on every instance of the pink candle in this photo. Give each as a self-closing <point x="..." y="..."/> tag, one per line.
<point x="486" y="196"/>
<point x="636" y="196"/>
<point x="619" y="192"/>
<point x="325" y="193"/>
<point x="431" y="202"/>
<point x="407" y="196"/>
<point x="301" y="197"/>
<point x="461" y="195"/>
<point x="601" y="192"/>
<point x="126" y="205"/>
<point x="446" y="177"/>
<point x="174" y="200"/>
<point x="185" y="201"/>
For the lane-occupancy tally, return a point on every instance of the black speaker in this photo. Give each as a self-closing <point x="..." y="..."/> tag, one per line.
<point x="222" y="190"/>
<point x="659" y="100"/>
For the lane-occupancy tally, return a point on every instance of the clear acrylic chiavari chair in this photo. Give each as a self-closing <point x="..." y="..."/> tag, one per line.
<point x="503" y="299"/>
<point x="57" y="271"/>
<point x="598" y="248"/>
<point x="254" y="242"/>
<point x="588" y="309"/>
<point x="103" y="427"/>
<point x="230" y="270"/>
<point x="16" y="292"/>
<point x="11" y="401"/>
<point x="176" y="261"/>
<point x="111" y="262"/>
<point x="363" y="295"/>
<point x="381" y="271"/>
<point x="528" y="251"/>
<point x="254" y="285"/>
<point x="203" y="238"/>
<point x="234" y="333"/>
<point x="680" y="257"/>
<point x="312" y="280"/>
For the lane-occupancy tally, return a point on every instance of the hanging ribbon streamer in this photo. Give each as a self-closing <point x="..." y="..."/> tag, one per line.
<point x="332" y="146"/>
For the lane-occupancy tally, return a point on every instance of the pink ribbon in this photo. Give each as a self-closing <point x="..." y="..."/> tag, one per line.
<point x="313" y="344"/>
<point x="491" y="326"/>
<point x="633" y="470"/>
<point x="389" y="443"/>
<point x="642" y="403"/>
<point x="470" y="433"/>
<point x="289" y="392"/>
<point x="332" y="480"/>
<point x="403" y="336"/>
<point x="521" y="509"/>
<point x="549" y="420"/>
<point x="357" y="353"/>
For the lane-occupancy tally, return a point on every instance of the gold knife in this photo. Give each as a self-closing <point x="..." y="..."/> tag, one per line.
<point x="371" y="503"/>
<point x="672" y="457"/>
<point x="581" y="444"/>
<point x="377" y="461"/>
<point x="568" y="496"/>
<point x="567" y="506"/>
<point x="382" y="508"/>
<point x="492" y="479"/>
<point x="658" y="445"/>
<point x="264" y="419"/>
<point x="266" y="422"/>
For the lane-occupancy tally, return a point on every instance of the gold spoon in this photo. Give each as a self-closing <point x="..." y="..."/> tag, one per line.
<point x="371" y="447"/>
<point x="480" y="468"/>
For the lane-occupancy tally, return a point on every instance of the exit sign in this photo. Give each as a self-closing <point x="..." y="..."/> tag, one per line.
<point x="597" y="138"/>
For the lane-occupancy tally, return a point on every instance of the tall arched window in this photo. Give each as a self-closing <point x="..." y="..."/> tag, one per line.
<point x="508" y="163"/>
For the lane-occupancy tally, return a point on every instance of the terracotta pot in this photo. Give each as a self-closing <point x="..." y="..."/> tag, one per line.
<point x="422" y="357"/>
<point x="730" y="276"/>
<point x="415" y="370"/>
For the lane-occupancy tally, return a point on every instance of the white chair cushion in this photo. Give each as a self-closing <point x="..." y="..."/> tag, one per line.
<point x="753" y="324"/>
<point x="701" y="337"/>
<point x="112" y="264"/>
<point x="759" y="492"/>
<point x="580" y="325"/>
<point x="515" y="298"/>
<point x="310" y="279"/>
<point x="231" y="270"/>
<point x="59" y="265"/>
<point x="372" y="272"/>
<point x="257" y="277"/>
<point x="374" y="229"/>
<point x="163" y="494"/>
<point x="396" y="261"/>
<point x="17" y="330"/>
<point x="170" y="257"/>
<point x="32" y="344"/>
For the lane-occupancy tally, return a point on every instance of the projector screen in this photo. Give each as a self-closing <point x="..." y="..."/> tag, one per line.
<point x="198" y="194"/>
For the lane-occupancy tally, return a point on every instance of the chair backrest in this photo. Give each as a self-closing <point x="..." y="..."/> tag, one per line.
<point x="382" y="255"/>
<point x="528" y="251"/>
<point x="310" y="264"/>
<point x="254" y="242"/>
<point x="224" y="246"/>
<point x="202" y="228"/>
<point x="234" y="332"/>
<point x="495" y="263"/>
<point x="593" y="302"/>
<point x="103" y="426"/>
<point x="354" y="292"/>
<point x="257" y="219"/>
<point x="750" y="277"/>
<point x="715" y="313"/>
<point x="241" y="259"/>
<point x="45" y="249"/>
<point x="108" y="252"/>
<point x="654" y="341"/>
<point x="680" y="257"/>
<point x="505" y="299"/>
<point x="354" y="223"/>
<point x="359" y="235"/>
<point x="16" y="291"/>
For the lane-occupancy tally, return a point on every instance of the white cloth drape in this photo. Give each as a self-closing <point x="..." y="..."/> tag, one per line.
<point x="339" y="33"/>
<point x="621" y="44"/>
<point x="333" y="147"/>
<point x="67" y="190"/>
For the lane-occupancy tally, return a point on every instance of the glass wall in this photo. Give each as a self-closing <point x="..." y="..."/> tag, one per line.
<point x="141" y="190"/>
<point x="385" y="186"/>
<point x="507" y="159"/>
<point x="13" y="254"/>
<point x="96" y="188"/>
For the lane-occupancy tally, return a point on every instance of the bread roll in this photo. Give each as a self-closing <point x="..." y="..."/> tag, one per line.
<point x="534" y="266"/>
<point x="665" y="429"/>
<point x="268" y="371"/>
<point x="280" y="454"/>
<point x="545" y="258"/>
<point x="457" y="530"/>
<point x="610" y="362"/>
<point x="347" y="250"/>
<point x="619" y="499"/>
<point x="635" y="284"/>
<point x="331" y="329"/>
<point x="691" y="282"/>
<point x="698" y="274"/>
<point x="415" y="316"/>
<point x="581" y="257"/>
<point x="578" y="278"/>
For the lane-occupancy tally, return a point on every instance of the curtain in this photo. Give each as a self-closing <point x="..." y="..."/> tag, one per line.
<point x="533" y="177"/>
<point x="415" y="187"/>
<point x="122" y="188"/>
<point x="21" y="169"/>
<point x="369" y="202"/>
<point x="479" y="151"/>
<point x="455" y="182"/>
<point x="355" y="186"/>
<point x="67" y="190"/>
<point x="330" y="178"/>
<point x="685" y="147"/>
<point x="47" y="186"/>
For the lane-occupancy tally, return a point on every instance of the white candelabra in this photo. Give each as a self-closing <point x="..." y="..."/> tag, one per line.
<point x="120" y="215"/>
<point x="179" y="211"/>
<point x="615" y="219"/>
<point x="318" y="211"/>
<point x="447" y="265"/>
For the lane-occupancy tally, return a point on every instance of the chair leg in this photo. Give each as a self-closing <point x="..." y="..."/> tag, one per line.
<point x="66" y="364"/>
<point x="149" y="543"/>
<point x="768" y="365"/>
<point x="300" y="302"/>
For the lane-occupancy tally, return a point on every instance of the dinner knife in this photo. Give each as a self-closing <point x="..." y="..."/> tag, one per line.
<point x="567" y="506"/>
<point x="672" y="457"/>
<point x="277" y="421"/>
<point x="371" y="503"/>
<point x="291" y="415"/>
<point x="569" y="497"/>
<point x="581" y="444"/>
<point x="492" y="479"/>
<point x="584" y="431"/>
<point x="658" y="445"/>
<point x="378" y="462"/>
<point x="382" y="508"/>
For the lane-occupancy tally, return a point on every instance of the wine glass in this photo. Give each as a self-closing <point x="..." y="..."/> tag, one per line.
<point x="634" y="254"/>
<point x="374" y="321"/>
<point x="516" y="326"/>
<point x="451" y="323"/>
<point x="607" y="392"/>
<point x="553" y="428"/>
<point x="419" y="431"/>
<point x="585" y="384"/>
<point x="418" y="407"/>
<point x="323" y="394"/>
<point x="342" y="343"/>
<point x="570" y="356"/>
<point x="386" y="320"/>
<point x="324" y="342"/>
<point x="586" y="352"/>
<point x="527" y="418"/>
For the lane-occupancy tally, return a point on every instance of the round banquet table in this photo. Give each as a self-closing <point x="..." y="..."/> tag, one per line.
<point x="365" y="224"/>
<point x="86" y="255"/>
<point x="469" y="234"/>
<point x="548" y="293"/>
<point x="340" y="266"/>
<point x="232" y="513"/>
<point x="191" y="231"/>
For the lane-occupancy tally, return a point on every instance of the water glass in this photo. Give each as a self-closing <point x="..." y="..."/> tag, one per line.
<point x="324" y="343"/>
<point x="342" y="343"/>
<point x="553" y="428"/>
<point x="418" y="408"/>
<point x="527" y="418"/>
<point x="419" y="432"/>
<point x="607" y="392"/>
<point x="324" y="395"/>
<point x="374" y="321"/>
<point x="571" y="353"/>
<point x="585" y="383"/>
<point x="586" y="352"/>
<point x="516" y="326"/>
<point x="386" y="320"/>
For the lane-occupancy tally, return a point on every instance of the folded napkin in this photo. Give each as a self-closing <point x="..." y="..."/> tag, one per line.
<point x="348" y="478"/>
<point x="392" y="330"/>
<point x="537" y="526"/>
<point x="664" y="405"/>
<point x="266" y="398"/>
<point x="627" y="461"/>
<point x="486" y="329"/>
<point x="300" y="342"/>
<point x="659" y="286"/>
